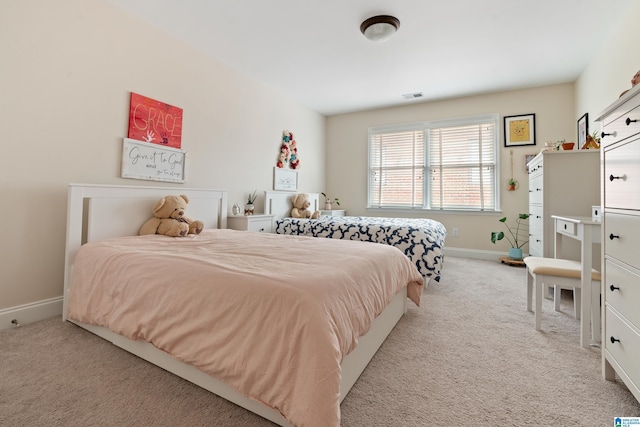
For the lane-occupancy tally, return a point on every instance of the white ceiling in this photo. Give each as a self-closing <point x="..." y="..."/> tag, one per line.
<point x="314" y="51"/>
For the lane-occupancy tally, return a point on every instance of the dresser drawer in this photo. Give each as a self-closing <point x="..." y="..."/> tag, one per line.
<point x="536" y="241"/>
<point x="625" y="292"/>
<point x="627" y="349"/>
<point x="621" y="124"/>
<point x="621" y="237"/>
<point x="535" y="190"/>
<point x="622" y="176"/>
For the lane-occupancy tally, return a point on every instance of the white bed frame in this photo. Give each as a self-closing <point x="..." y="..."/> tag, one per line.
<point x="97" y="212"/>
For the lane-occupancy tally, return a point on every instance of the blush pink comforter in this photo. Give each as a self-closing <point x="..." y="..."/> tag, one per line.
<point x="270" y="315"/>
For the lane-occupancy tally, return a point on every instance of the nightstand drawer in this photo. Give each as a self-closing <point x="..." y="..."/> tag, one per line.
<point x="262" y="225"/>
<point x="255" y="223"/>
<point x="333" y="212"/>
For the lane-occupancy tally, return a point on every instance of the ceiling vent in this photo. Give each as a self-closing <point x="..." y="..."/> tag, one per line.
<point x="412" y="95"/>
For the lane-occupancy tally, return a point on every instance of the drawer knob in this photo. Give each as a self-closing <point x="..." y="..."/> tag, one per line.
<point x="613" y="236"/>
<point x="614" y="288"/>
<point x="614" y="340"/>
<point x="603" y="134"/>
<point x="623" y="177"/>
<point x="629" y="121"/>
<point x="262" y="229"/>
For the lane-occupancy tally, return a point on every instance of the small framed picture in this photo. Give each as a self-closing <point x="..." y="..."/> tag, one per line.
<point x="583" y="130"/>
<point x="520" y="130"/>
<point x="285" y="179"/>
<point x="527" y="159"/>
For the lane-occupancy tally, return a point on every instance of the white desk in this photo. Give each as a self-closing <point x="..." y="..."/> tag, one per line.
<point x="587" y="231"/>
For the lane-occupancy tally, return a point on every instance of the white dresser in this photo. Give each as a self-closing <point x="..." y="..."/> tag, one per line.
<point x="620" y="152"/>
<point x="260" y="223"/>
<point x="560" y="183"/>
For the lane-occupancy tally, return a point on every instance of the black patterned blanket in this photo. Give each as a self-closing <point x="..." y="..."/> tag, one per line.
<point x="421" y="239"/>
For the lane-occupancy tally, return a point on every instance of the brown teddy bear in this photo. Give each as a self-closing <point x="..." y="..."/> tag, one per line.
<point x="300" y="207"/>
<point x="169" y="218"/>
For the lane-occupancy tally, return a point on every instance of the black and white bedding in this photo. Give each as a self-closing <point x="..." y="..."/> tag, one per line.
<point x="421" y="239"/>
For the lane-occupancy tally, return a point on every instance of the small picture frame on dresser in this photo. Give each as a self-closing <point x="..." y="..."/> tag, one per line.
<point x="527" y="159"/>
<point x="583" y="129"/>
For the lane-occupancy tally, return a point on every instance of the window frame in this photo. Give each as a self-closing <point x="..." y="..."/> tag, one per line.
<point x="425" y="127"/>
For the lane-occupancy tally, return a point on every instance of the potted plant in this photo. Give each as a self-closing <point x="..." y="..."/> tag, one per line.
<point x="328" y="202"/>
<point x="512" y="184"/>
<point x="519" y="235"/>
<point x="249" y="207"/>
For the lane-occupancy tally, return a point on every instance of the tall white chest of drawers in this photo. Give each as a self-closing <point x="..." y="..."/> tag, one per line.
<point x="560" y="183"/>
<point x="620" y="156"/>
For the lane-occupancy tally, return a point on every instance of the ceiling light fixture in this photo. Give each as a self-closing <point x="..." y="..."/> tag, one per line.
<point x="380" y="28"/>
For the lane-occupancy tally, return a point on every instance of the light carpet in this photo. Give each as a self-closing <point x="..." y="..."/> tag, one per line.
<point x="469" y="356"/>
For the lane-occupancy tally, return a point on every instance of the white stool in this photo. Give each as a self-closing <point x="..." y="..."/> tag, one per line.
<point x="563" y="274"/>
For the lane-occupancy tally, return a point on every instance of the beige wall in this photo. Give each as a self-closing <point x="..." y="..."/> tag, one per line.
<point x="66" y="73"/>
<point x="557" y="110"/>
<point x="610" y="71"/>
<point x="67" y="70"/>
<point x="347" y="151"/>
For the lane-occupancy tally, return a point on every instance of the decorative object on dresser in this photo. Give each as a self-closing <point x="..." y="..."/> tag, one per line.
<point x="560" y="183"/>
<point x="583" y="129"/>
<point x="249" y="207"/>
<point x="328" y="202"/>
<point x="634" y="81"/>
<point x="620" y="218"/>
<point x="235" y="209"/>
<point x="518" y="235"/>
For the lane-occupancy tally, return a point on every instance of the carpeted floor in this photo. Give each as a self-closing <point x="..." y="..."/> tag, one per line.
<point x="469" y="356"/>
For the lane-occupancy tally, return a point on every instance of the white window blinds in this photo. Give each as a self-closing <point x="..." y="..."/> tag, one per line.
<point x="458" y="158"/>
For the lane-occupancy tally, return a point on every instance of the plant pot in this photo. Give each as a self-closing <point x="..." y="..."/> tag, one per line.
<point x="567" y="146"/>
<point x="248" y="209"/>
<point x="515" y="254"/>
<point x="327" y="206"/>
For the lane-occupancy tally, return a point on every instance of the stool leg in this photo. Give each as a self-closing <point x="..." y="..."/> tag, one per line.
<point x="577" y="302"/>
<point x="557" y="296"/>
<point x="529" y="289"/>
<point x="538" y="313"/>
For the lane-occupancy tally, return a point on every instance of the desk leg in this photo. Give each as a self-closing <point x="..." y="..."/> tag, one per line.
<point x="586" y="324"/>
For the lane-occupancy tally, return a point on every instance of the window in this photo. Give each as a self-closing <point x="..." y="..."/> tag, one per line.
<point x="444" y="165"/>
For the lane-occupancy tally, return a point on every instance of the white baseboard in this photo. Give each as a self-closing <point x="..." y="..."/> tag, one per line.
<point x="474" y="253"/>
<point x="30" y="313"/>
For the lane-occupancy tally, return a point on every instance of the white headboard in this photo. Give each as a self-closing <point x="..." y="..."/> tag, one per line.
<point x="278" y="203"/>
<point x="96" y="212"/>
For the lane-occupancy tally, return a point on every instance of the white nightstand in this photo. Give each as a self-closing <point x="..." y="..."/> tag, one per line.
<point x="333" y="212"/>
<point x="260" y="223"/>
